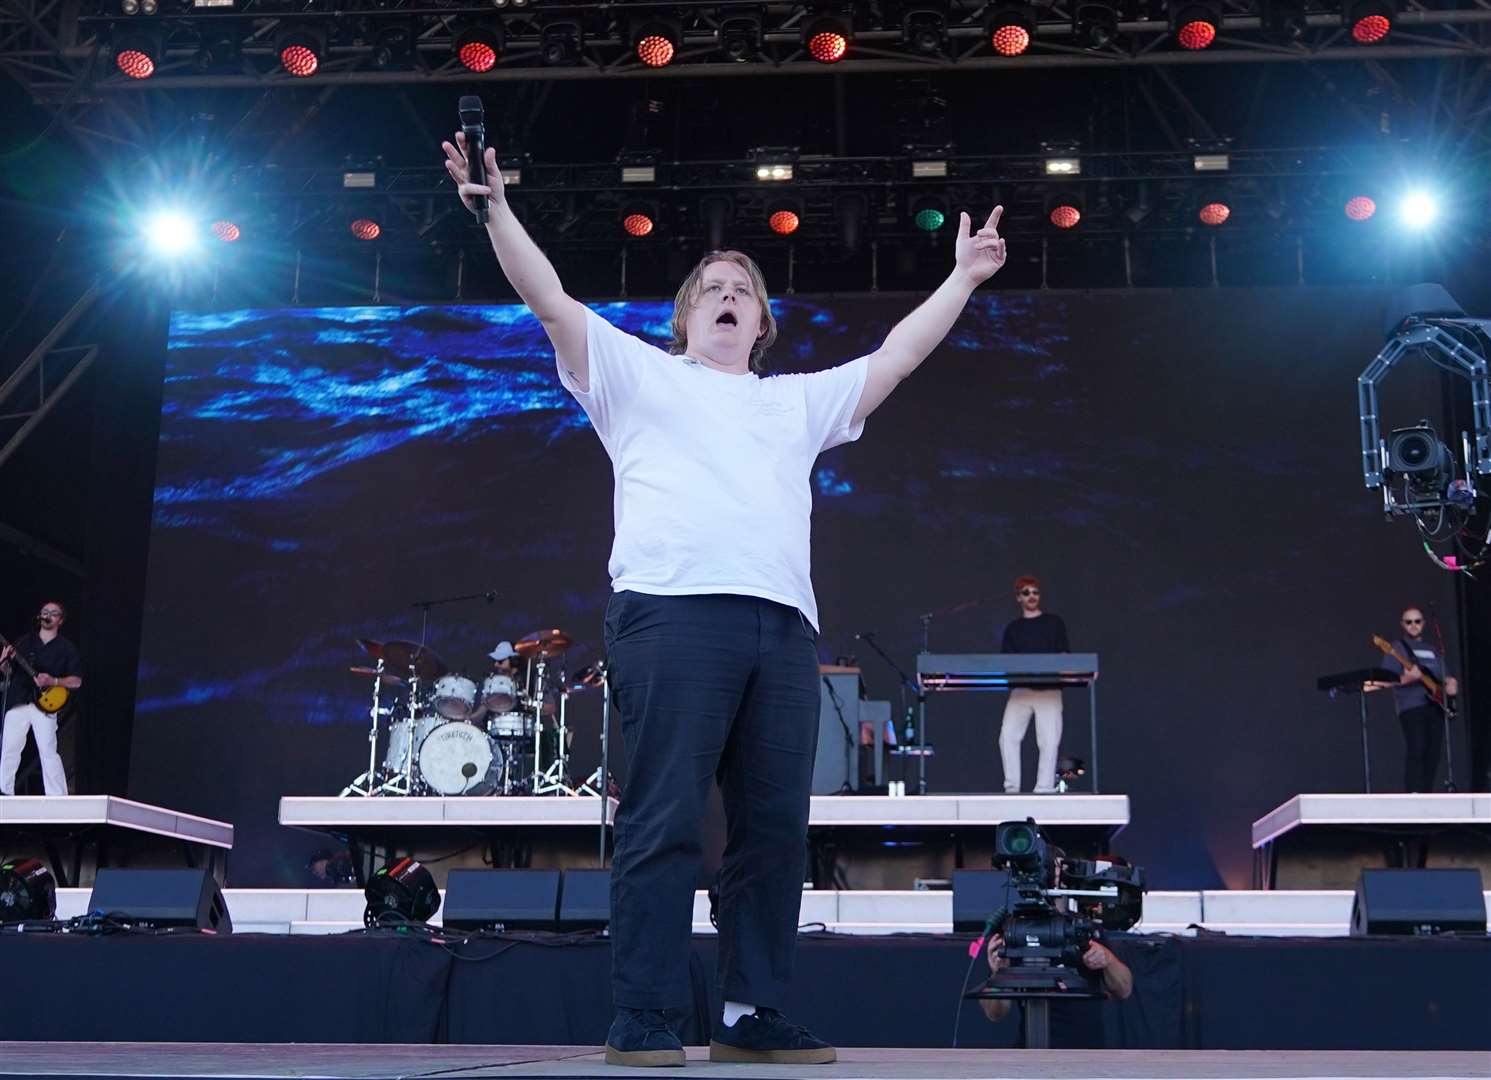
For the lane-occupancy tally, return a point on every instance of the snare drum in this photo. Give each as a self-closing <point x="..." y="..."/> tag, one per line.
<point x="458" y="759"/>
<point x="510" y="725"/>
<point x="499" y="693"/>
<point x="455" y="697"/>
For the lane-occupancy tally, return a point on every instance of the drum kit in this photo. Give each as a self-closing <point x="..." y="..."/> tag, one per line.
<point x="447" y="736"/>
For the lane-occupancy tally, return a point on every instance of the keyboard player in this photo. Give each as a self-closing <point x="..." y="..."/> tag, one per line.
<point x="1034" y="631"/>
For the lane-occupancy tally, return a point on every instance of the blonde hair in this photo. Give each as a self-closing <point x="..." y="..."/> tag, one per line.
<point x="693" y="285"/>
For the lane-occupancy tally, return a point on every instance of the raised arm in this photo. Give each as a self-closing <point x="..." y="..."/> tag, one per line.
<point x="978" y="257"/>
<point x="526" y="267"/>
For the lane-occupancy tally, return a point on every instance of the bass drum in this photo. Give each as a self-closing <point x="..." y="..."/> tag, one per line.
<point x="458" y="759"/>
<point x="398" y="739"/>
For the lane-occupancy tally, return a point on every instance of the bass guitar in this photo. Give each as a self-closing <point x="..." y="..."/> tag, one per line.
<point x="1432" y="685"/>
<point x="49" y="699"/>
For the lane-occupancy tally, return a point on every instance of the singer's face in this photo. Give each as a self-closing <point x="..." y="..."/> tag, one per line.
<point x="50" y="616"/>
<point x="725" y="320"/>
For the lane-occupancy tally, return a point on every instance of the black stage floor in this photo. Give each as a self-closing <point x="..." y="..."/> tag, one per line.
<point x="239" y="1061"/>
<point x="900" y="993"/>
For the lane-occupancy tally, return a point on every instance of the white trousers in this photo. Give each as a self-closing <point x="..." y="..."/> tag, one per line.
<point x="18" y="721"/>
<point x="1044" y="706"/>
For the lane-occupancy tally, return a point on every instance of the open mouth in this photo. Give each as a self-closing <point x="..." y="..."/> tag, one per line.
<point x="727" y="318"/>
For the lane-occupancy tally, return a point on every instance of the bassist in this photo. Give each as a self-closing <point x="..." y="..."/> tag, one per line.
<point x="56" y="664"/>
<point x="1418" y="712"/>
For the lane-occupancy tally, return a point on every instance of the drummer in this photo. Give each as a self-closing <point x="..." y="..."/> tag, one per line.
<point x="505" y="662"/>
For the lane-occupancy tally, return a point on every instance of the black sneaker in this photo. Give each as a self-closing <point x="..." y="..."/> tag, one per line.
<point x="642" y="1037"/>
<point x="766" y="1037"/>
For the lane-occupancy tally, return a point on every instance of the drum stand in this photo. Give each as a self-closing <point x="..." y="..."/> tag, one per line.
<point x="552" y="780"/>
<point x="598" y="783"/>
<point x="402" y="782"/>
<point x="369" y="782"/>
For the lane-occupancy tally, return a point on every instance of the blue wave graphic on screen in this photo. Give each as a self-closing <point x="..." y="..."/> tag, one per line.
<point x="360" y="452"/>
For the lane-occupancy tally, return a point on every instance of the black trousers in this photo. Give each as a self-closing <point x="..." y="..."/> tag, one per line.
<point x="1423" y="735"/>
<point x="710" y="689"/>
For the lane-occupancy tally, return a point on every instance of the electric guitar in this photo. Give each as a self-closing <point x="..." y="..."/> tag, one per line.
<point x="49" y="699"/>
<point x="1432" y="685"/>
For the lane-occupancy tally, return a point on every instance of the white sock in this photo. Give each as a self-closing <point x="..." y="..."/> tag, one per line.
<point x="734" y="1010"/>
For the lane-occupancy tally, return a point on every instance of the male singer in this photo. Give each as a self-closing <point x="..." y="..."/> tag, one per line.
<point x="711" y="630"/>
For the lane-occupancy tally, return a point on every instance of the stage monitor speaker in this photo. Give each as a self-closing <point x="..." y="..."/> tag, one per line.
<point x="1419" y="902"/>
<point x="512" y="899"/>
<point x="585" y="900"/>
<point x="161" y="898"/>
<point x="977" y="894"/>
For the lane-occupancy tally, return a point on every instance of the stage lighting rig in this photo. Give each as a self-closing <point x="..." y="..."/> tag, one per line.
<point x="1056" y="907"/>
<point x="1417" y="473"/>
<point x="1096" y="25"/>
<point x="478" y="46"/>
<point x="1369" y="21"/>
<point x="740" y="37"/>
<point x="27" y="891"/>
<point x="925" y="31"/>
<point x="826" y="37"/>
<point x="1011" y="29"/>
<point x="399" y="894"/>
<point x="1195" y="22"/>
<point x="560" y="41"/>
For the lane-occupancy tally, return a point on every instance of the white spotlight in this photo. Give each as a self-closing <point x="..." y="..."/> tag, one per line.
<point x="171" y="233"/>
<point x="1418" y="209"/>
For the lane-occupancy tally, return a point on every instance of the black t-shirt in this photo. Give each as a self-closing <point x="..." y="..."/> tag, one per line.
<point x="1045" y="633"/>
<point x="58" y="657"/>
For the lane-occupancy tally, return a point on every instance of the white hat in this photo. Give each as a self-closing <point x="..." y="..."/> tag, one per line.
<point x="503" y="651"/>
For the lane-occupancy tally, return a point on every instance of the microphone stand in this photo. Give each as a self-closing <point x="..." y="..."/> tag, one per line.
<point x="490" y="596"/>
<point x="921" y="707"/>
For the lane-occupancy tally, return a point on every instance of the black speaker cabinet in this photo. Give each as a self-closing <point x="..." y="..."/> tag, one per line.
<point x="977" y="894"/>
<point x="585" y="900"/>
<point x="515" y="899"/>
<point x="161" y="898"/>
<point x="1419" y="902"/>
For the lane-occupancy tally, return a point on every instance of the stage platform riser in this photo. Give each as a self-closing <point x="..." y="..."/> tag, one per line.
<point x="1252" y="913"/>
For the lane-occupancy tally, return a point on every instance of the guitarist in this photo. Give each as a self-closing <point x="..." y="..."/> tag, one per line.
<point x="56" y="663"/>
<point x="1420" y="715"/>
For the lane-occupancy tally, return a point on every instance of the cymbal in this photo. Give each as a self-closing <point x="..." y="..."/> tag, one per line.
<point x="589" y="677"/>
<point x="387" y="679"/>
<point x="543" y="643"/>
<point x="399" y="656"/>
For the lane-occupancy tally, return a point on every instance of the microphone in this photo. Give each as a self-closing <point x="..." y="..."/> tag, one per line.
<point x="474" y="127"/>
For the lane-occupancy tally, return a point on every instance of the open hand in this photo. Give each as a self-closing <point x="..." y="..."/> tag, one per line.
<point x="980" y="255"/>
<point x="455" y="164"/>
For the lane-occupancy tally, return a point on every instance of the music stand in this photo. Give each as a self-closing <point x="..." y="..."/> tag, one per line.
<point x="1361" y="683"/>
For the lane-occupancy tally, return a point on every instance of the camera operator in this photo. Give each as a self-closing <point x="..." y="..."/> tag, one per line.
<point x="1103" y="969"/>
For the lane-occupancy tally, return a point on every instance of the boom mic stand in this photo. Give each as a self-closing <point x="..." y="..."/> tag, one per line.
<point x="906" y="711"/>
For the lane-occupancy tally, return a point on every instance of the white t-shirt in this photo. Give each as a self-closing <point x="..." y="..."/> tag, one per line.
<point x="712" y="470"/>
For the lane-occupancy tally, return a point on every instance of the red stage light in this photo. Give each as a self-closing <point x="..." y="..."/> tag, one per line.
<point x="364" y="229"/>
<point x="1065" y="216"/>
<point x="1214" y="213"/>
<point x="784" y="222"/>
<point x="828" y="46"/>
<point x="1360" y="208"/>
<point x="135" y="64"/>
<point x="1371" y="28"/>
<point x="478" y="56"/>
<point x="226" y="231"/>
<point x="637" y="224"/>
<point x="299" y="60"/>
<point x="1196" y="34"/>
<point x="1010" y="39"/>
<point x="655" y="50"/>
